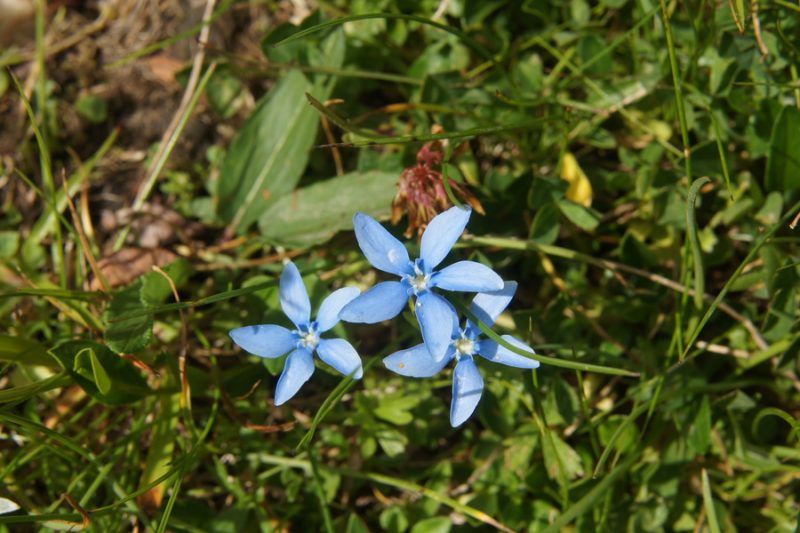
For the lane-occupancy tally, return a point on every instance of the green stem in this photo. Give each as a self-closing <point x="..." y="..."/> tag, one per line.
<point x="694" y="242"/>
<point x="552" y="361"/>
<point x="676" y="82"/>
<point x="323" y="503"/>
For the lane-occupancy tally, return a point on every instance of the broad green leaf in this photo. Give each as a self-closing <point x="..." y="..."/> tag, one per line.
<point x="268" y="156"/>
<point x="127" y="335"/>
<point x="557" y="455"/>
<point x="393" y="442"/>
<point x="355" y="524"/>
<point x="24" y="351"/>
<point x="770" y="212"/>
<point x="579" y="215"/>
<point x="103" y="374"/>
<point x="82" y="365"/>
<point x="315" y="213"/>
<point x="544" y="229"/>
<point x="396" y="408"/>
<point x="393" y="520"/>
<point x="100" y="374"/>
<point x="155" y="287"/>
<point x="700" y="434"/>
<point x="569" y="458"/>
<point x="783" y="164"/>
<point x="9" y="244"/>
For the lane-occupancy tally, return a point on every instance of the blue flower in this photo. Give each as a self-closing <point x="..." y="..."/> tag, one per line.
<point x="464" y="344"/>
<point x="270" y="341"/>
<point x="385" y="300"/>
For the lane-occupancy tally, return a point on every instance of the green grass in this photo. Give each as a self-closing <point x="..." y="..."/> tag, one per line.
<point x="660" y="293"/>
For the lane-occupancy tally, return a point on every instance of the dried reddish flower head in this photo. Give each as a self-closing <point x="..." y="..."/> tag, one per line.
<point x="421" y="192"/>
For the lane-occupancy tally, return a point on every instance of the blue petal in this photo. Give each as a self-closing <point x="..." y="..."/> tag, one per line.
<point x="436" y="318"/>
<point x="264" y="340"/>
<point x="416" y="362"/>
<point x="294" y="297"/>
<point x="341" y="355"/>
<point x="379" y="246"/>
<point x="328" y="315"/>
<point x="382" y="302"/>
<point x="487" y="306"/>
<point x="298" y="368"/>
<point x="467" y="276"/>
<point x="500" y="354"/>
<point x="441" y="234"/>
<point x="467" y="390"/>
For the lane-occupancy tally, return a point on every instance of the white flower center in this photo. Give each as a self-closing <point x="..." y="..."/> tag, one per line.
<point x="465" y="346"/>
<point x="419" y="280"/>
<point x="307" y="339"/>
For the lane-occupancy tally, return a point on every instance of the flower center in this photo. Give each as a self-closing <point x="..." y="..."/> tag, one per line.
<point x="465" y="346"/>
<point x="419" y="283"/>
<point x="307" y="338"/>
<point x="419" y="280"/>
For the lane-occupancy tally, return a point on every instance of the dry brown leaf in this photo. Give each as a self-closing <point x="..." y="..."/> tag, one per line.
<point x="125" y="266"/>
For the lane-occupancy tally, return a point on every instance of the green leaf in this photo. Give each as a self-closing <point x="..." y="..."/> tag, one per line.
<point x="24" y="352"/>
<point x="101" y="377"/>
<point x="771" y="210"/>
<point x="268" y="156"/>
<point x="437" y="524"/>
<point x="393" y="520"/>
<point x="581" y="216"/>
<point x="9" y="243"/>
<point x="783" y="164"/>
<point x="131" y="334"/>
<point x="155" y="287"/>
<point x="105" y="376"/>
<point x="544" y="229"/>
<point x="393" y="442"/>
<point x="395" y="408"/>
<point x="92" y="108"/>
<point x="708" y="503"/>
<point x="355" y="524"/>
<point x="224" y="93"/>
<point x="568" y="458"/>
<point x="315" y="213"/>
<point x="700" y="435"/>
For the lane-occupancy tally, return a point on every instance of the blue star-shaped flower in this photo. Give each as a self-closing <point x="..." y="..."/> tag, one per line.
<point x="385" y="300"/>
<point x="270" y="341"/>
<point x="464" y="344"/>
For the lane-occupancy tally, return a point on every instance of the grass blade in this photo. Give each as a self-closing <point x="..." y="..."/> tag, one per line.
<point x="708" y="505"/>
<point x="367" y="16"/>
<point x="694" y="242"/>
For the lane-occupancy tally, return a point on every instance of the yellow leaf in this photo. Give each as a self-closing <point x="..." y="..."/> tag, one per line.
<point x="580" y="189"/>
